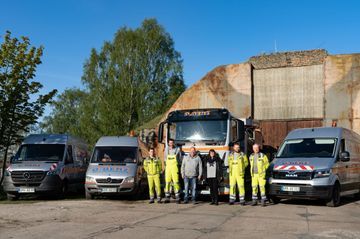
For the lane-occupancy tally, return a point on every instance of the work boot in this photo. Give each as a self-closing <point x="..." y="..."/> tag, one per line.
<point x="159" y="200"/>
<point x="216" y="203"/>
<point x="178" y="201"/>
<point x="254" y="202"/>
<point x="242" y="202"/>
<point x="263" y="202"/>
<point x="231" y="202"/>
<point x="212" y="203"/>
<point x="186" y="201"/>
<point x="194" y="202"/>
<point x="167" y="200"/>
<point x="151" y="201"/>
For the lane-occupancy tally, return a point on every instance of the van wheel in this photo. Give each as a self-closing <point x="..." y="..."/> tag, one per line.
<point x="88" y="195"/>
<point x="12" y="197"/>
<point x="64" y="189"/>
<point x="274" y="199"/>
<point x="335" y="196"/>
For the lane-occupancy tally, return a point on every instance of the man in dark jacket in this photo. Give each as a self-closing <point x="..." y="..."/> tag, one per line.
<point x="212" y="174"/>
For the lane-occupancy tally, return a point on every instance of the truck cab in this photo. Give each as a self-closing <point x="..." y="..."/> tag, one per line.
<point x="317" y="163"/>
<point x="208" y="129"/>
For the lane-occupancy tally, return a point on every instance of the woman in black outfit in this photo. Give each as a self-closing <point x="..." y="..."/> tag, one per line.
<point x="212" y="173"/>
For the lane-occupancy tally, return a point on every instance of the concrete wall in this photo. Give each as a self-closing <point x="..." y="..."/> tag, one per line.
<point x="342" y="90"/>
<point x="226" y="86"/>
<point x="289" y="93"/>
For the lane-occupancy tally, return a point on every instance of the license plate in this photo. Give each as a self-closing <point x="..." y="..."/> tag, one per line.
<point x="290" y="189"/>
<point x="205" y="192"/>
<point x="108" y="190"/>
<point x="26" y="190"/>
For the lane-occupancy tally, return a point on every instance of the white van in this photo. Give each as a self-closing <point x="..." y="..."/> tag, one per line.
<point x="115" y="167"/>
<point x="317" y="163"/>
<point x="47" y="164"/>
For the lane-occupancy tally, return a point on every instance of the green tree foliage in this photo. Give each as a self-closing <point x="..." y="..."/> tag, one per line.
<point x="66" y="108"/>
<point x="20" y="102"/>
<point x="131" y="80"/>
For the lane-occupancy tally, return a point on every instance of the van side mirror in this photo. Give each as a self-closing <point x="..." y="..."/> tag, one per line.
<point x="140" y="161"/>
<point x="345" y="156"/>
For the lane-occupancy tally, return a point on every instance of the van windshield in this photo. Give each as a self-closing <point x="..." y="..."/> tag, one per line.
<point x="308" y="148"/>
<point x="109" y="155"/>
<point x="40" y="152"/>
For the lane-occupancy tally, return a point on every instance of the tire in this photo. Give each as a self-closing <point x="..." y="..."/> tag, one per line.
<point x="274" y="199"/>
<point x="137" y="193"/>
<point x="357" y="195"/>
<point x="334" y="201"/>
<point x="12" y="197"/>
<point x="88" y="195"/>
<point x="63" y="189"/>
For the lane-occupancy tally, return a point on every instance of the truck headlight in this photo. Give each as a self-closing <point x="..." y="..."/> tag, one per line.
<point x="129" y="180"/>
<point x="90" y="180"/>
<point x="322" y="173"/>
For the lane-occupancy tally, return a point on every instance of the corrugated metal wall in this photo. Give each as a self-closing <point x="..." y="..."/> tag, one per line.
<point x="274" y="132"/>
<point x="289" y="93"/>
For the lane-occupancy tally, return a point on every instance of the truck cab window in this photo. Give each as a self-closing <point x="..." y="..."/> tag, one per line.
<point x="234" y="136"/>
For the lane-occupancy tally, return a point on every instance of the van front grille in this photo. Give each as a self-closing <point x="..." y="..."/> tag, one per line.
<point x="293" y="175"/>
<point x="109" y="180"/>
<point x="27" y="176"/>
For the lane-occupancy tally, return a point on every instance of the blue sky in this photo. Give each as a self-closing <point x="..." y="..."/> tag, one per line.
<point x="206" y="33"/>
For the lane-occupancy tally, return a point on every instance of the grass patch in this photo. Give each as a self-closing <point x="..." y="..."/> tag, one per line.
<point x="152" y="124"/>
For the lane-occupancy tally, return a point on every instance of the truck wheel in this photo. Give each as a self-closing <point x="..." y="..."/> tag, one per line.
<point x="12" y="197"/>
<point x="88" y="195"/>
<point x="334" y="201"/>
<point x="274" y="199"/>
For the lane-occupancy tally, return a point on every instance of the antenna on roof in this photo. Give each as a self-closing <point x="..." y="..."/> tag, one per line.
<point x="275" y="47"/>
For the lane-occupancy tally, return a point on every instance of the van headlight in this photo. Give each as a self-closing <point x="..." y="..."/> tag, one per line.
<point x="322" y="173"/>
<point x="7" y="172"/>
<point x="51" y="173"/>
<point x="129" y="180"/>
<point x="89" y="179"/>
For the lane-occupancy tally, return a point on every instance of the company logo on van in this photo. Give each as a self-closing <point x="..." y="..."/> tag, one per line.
<point x="111" y="169"/>
<point x="291" y="174"/>
<point x="297" y="163"/>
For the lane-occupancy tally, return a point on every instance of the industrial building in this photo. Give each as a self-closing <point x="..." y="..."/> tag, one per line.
<point x="284" y="91"/>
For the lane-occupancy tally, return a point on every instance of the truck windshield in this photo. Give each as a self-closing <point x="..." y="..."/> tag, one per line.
<point x="308" y="148"/>
<point x="200" y="130"/>
<point x="40" y="152"/>
<point x="118" y="155"/>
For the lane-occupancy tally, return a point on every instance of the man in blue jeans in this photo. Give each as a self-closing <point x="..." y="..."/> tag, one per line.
<point x="191" y="171"/>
